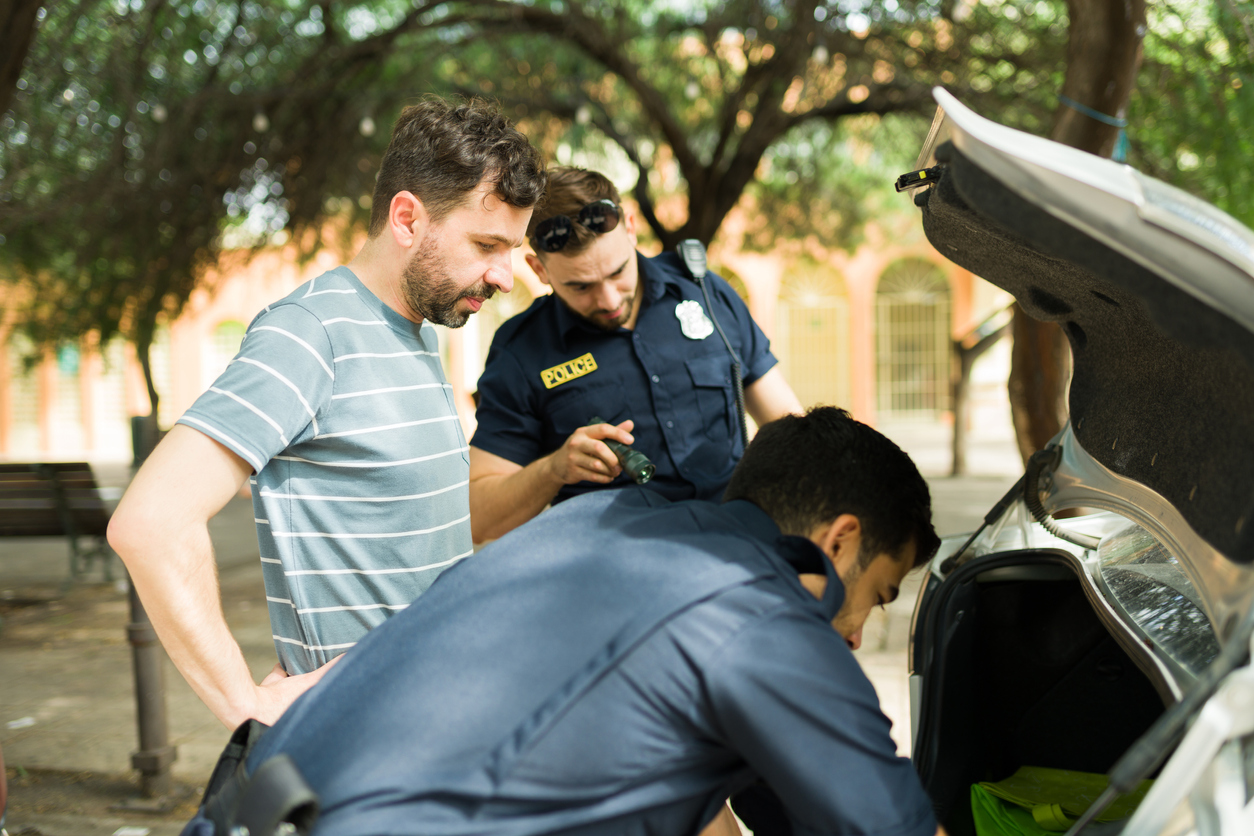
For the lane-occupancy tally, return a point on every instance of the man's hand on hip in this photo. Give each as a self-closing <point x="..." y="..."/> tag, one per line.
<point x="279" y="690"/>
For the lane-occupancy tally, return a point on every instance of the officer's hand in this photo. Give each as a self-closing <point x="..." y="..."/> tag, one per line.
<point x="585" y="458"/>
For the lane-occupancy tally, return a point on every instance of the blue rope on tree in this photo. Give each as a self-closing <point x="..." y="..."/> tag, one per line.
<point x="1121" y="142"/>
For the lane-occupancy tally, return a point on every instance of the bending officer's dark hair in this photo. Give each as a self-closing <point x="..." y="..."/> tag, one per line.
<point x="807" y="470"/>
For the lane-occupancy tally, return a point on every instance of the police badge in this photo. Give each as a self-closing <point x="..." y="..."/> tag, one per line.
<point x="693" y="321"/>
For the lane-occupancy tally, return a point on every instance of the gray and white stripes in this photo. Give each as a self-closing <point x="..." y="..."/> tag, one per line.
<point x="342" y="409"/>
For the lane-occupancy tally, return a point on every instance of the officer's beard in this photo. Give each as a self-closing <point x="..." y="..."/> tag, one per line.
<point x="432" y="292"/>
<point x="598" y="317"/>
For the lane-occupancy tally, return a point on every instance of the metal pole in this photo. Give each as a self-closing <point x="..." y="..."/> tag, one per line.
<point x="155" y="753"/>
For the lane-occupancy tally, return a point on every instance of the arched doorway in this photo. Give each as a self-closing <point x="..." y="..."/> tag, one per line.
<point x="812" y="334"/>
<point x="912" y="341"/>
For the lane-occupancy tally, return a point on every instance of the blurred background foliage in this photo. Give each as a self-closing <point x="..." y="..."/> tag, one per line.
<point x="145" y="137"/>
<point x="1191" y="121"/>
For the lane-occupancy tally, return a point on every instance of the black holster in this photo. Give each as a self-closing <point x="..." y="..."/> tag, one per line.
<point x="273" y="800"/>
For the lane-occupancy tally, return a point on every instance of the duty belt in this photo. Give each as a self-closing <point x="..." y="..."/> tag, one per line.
<point x="273" y="801"/>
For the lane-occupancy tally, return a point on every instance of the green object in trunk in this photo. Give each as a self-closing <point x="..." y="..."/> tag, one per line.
<point x="1039" y="801"/>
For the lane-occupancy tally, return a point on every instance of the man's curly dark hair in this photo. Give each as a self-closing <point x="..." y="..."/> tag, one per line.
<point x="441" y="151"/>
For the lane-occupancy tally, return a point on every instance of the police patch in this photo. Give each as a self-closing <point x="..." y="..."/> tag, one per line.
<point x="568" y="371"/>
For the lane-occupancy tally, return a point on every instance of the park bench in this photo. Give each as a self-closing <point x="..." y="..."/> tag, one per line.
<point x="57" y="499"/>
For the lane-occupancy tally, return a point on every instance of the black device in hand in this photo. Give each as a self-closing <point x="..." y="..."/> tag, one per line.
<point x="635" y="463"/>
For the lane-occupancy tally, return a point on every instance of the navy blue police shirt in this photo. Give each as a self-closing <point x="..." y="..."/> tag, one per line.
<point x="618" y="665"/>
<point x="549" y="371"/>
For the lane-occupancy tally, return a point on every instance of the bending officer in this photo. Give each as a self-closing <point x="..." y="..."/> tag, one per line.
<point x="622" y="663"/>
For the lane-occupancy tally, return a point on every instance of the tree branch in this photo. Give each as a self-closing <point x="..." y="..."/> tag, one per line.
<point x="586" y="33"/>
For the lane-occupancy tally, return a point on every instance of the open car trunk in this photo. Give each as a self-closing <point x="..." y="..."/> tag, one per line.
<point x="1057" y="643"/>
<point x="1018" y="670"/>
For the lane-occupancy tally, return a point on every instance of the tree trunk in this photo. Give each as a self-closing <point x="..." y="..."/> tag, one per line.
<point x="145" y="429"/>
<point x="17" y="31"/>
<point x="965" y="354"/>
<point x="143" y="348"/>
<point x="1103" y="56"/>
<point x="1040" y="366"/>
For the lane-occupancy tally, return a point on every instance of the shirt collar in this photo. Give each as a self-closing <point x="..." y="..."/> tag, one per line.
<point x="752" y="518"/>
<point x="800" y="553"/>
<point x="656" y="280"/>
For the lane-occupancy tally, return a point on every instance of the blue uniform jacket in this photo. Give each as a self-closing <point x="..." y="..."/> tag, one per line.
<point x="677" y="390"/>
<point x="616" y="666"/>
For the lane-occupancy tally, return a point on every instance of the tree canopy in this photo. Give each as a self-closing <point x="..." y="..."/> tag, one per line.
<point x="146" y="136"/>
<point x="712" y="100"/>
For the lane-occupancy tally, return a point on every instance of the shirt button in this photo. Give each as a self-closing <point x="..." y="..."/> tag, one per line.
<point x="670" y="424"/>
<point x="655" y="378"/>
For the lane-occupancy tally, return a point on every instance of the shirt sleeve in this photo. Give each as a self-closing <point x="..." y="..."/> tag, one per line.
<point x="508" y="425"/>
<point x="792" y="700"/>
<point x="271" y="393"/>
<point x="754" y="347"/>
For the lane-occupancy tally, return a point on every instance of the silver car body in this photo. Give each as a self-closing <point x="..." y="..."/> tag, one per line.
<point x="1168" y="577"/>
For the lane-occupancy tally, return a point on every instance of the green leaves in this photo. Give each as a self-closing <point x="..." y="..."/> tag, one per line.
<point x="146" y="137"/>
<point x="1190" y="122"/>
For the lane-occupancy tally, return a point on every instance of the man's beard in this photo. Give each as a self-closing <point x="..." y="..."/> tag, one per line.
<point x="628" y="304"/>
<point x="432" y="292"/>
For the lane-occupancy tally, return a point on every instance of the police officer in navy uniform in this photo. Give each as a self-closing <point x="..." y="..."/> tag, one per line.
<point x="624" y="338"/>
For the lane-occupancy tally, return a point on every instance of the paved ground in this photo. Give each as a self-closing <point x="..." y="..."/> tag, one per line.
<point x="67" y="710"/>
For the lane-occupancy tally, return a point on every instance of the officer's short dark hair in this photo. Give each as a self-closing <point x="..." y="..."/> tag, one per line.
<point x="441" y="151"/>
<point x="807" y="470"/>
<point x="569" y="190"/>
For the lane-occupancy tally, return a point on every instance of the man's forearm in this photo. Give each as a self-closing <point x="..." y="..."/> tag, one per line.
<point x="499" y="503"/>
<point x="770" y="397"/>
<point x="161" y="531"/>
<point x="179" y="589"/>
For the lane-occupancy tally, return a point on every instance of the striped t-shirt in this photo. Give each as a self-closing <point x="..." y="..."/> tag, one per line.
<point x="342" y="409"/>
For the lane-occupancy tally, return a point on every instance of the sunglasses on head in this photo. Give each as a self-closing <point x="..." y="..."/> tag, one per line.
<point x="553" y="234"/>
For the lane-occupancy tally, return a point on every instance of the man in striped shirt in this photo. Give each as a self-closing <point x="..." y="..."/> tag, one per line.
<point x="337" y="412"/>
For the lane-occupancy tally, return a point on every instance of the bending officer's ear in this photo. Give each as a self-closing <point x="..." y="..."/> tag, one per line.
<point x="840" y="540"/>
<point x="407" y="219"/>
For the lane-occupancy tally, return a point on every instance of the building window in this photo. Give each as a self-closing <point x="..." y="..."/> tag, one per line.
<point x="912" y="341"/>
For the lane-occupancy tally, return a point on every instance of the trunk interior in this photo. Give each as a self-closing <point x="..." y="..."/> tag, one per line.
<point x="1019" y="671"/>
